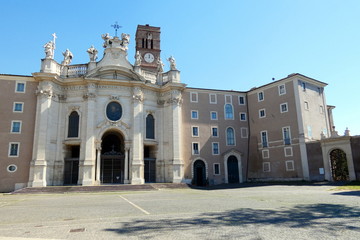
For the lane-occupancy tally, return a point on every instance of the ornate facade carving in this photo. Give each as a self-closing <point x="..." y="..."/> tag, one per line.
<point x="138" y="94"/>
<point x="45" y="91"/>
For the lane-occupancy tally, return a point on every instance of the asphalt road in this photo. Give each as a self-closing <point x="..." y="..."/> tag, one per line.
<point x="259" y="212"/>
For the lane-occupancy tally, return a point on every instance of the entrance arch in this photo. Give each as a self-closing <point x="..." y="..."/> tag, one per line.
<point x="199" y="170"/>
<point x="339" y="166"/>
<point x="112" y="158"/>
<point x="233" y="169"/>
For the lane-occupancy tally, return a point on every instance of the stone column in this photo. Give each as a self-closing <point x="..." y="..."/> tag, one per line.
<point x="126" y="165"/>
<point x="137" y="164"/>
<point x="87" y="166"/>
<point x="39" y="164"/>
<point x="98" y="162"/>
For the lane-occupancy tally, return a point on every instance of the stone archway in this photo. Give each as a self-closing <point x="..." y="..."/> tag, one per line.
<point x="339" y="166"/>
<point x="112" y="160"/>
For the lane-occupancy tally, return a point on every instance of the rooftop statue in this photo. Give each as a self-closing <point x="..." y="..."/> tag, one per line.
<point x="160" y="65"/>
<point x="125" y="38"/>
<point x="68" y="56"/>
<point x="49" y="49"/>
<point x="172" y="61"/>
<point x="92" y="53"/>
<point x="138" y="58"/>
<point x="115" y="42"/>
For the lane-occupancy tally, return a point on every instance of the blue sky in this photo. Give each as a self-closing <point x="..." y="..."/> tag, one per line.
<point x="228" y="44"/>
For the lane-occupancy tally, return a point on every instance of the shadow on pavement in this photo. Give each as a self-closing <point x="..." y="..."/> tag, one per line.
<point x="322" y="217"/>
<point x="348" y="193"/>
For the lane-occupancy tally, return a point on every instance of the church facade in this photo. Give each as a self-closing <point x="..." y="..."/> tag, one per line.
<point x="113" y="122"/>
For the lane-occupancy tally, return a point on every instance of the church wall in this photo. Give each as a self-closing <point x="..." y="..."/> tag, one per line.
<point x="10" y="181"/>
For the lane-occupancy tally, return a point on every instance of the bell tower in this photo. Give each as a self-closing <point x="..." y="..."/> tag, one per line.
<point x="148" y="44"/>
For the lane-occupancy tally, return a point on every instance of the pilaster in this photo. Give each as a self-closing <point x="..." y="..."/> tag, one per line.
<point x="137" y="164"/>
<point x="38" y="171"/>
<point x="87" y="166"/>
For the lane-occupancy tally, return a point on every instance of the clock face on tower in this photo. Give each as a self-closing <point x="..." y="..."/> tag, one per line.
<point x="149" y="58"/>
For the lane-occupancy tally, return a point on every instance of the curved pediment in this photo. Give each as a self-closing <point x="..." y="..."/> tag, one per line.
<point x="114" y="72"/>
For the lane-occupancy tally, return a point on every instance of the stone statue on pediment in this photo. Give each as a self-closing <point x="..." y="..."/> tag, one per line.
<point x="68" y="56"/>
<point x="106" y="37"/>
<point x="49" y="49"/>
<point x="160" y="65"/>
<point x="172" y="61"/>
<point x="125" y="38"/>
<point x="138" y="58"/>
<point x="92" y="53"/>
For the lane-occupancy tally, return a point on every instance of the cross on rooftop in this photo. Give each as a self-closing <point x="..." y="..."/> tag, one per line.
<point x="116" y="26"/>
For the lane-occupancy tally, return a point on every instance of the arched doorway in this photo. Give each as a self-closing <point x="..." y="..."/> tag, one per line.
<point x="199" y="173"/>
<point x="112" y="158"/>
<point x="233" y="169"/>
<point x="339" y="166"/>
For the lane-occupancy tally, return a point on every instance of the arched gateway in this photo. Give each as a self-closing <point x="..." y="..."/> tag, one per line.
<point x="112" y="165"/>
<point x="339" y="166"/>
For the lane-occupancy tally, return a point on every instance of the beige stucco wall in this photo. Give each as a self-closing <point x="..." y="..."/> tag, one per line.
<point x="205" y="139"/>
<point x="273" y="124"/>
<point x="10" y="181"/>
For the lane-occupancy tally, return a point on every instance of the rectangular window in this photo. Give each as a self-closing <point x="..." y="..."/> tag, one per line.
<point x="321" y="109"/>
<point x="266" y="167"/>
<point x="195" y="131"/>
<point x="213" y="115"/>
<point x="242" y="116"/>
<point x="14" y="149"/>
<point x="212" y="98"/>
<point x="286" y="135"/>
<point x="265" y="154"/>
<point x="216" y="168"/>
<point x="306" y="105"/>
<point x="214" y="132"/>
<point x="18" y="107"/>
<point x="282" y="90"/>
<point x="15" y="126"/>
<point x="194" y="114"/>
<point x="228" y="99"/>
<point x="20" y="87"/>
<point x="241" y="100"/>
<point x="195" y="148"/>
<point x="262" y="113"/>
<point x="261" y="96"/>
<point x="288" y="151"/>
<point x="264" y="139"/>
<point x="303" y="84"/>
<point x="193" y="97"/>
<point x="283" y="107"/>
<point x="290" y="165"/>
<point x="215" y="148"/>
<point x="244" y="133"/>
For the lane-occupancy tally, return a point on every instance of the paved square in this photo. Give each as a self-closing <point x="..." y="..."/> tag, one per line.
<point x="259" y="212"/>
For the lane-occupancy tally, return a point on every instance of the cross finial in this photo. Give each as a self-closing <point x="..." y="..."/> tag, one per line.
<point x="54" y="37"/>
<point x="116" y="26"/>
